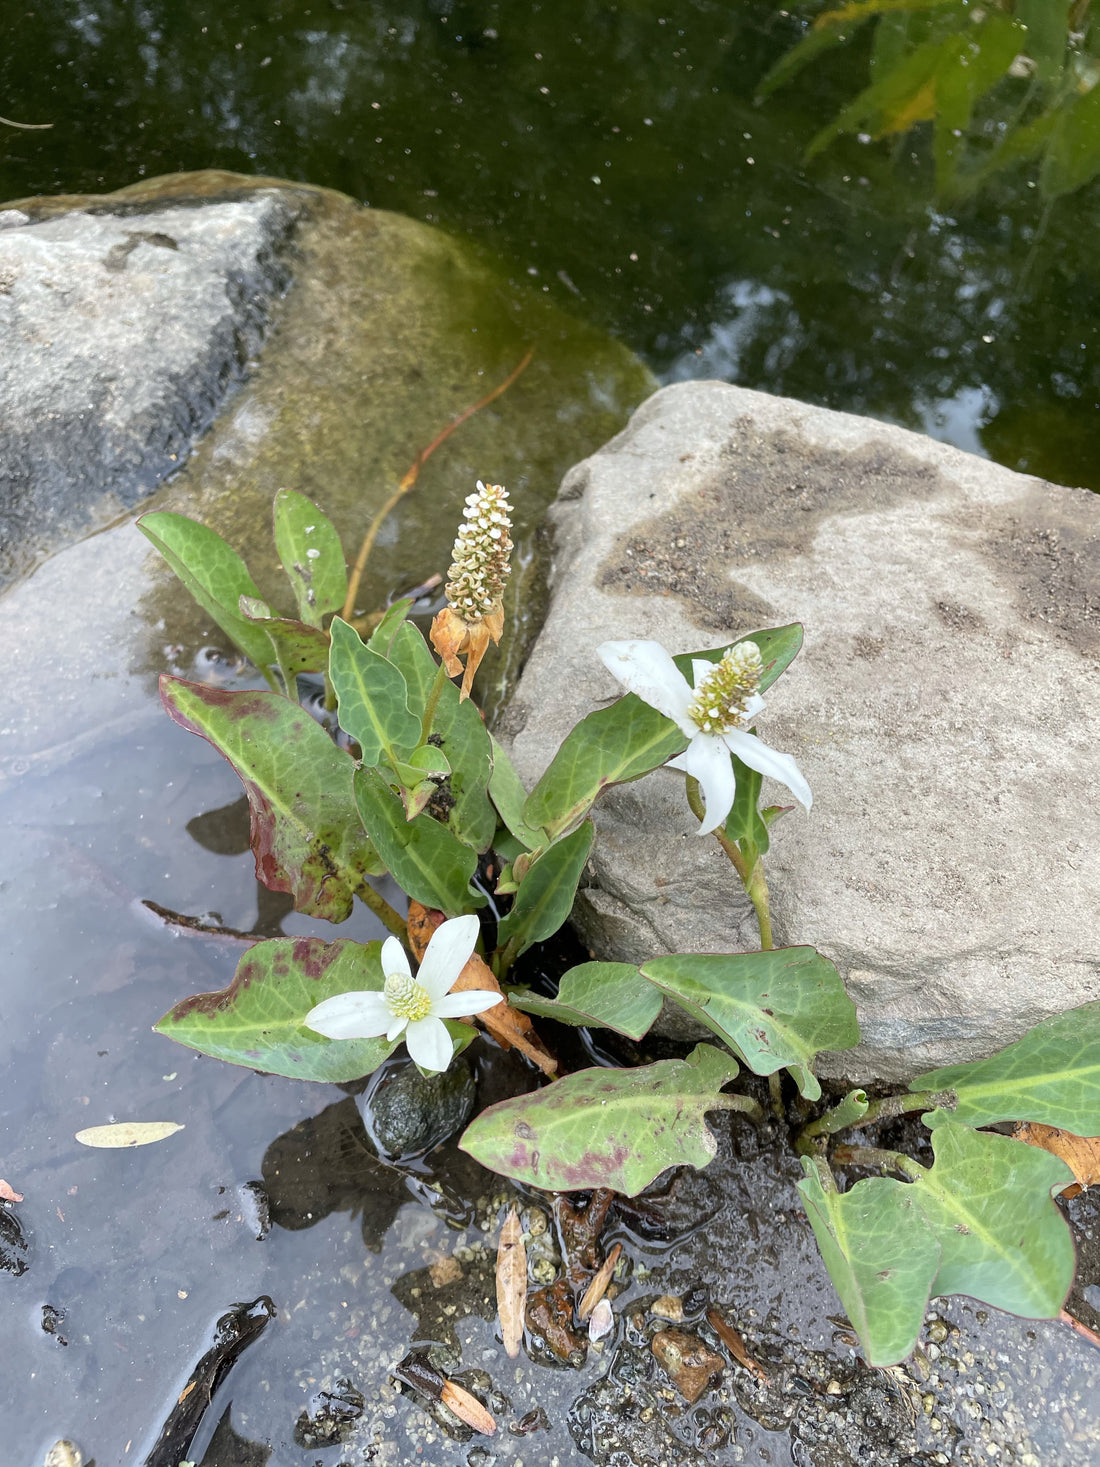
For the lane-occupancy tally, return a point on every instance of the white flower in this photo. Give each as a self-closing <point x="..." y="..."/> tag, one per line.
<point x="413" y="1006"/>
<point x="714" y="715"/>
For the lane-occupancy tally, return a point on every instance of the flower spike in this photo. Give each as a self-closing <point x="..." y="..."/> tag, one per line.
<point x="480" y="567"/>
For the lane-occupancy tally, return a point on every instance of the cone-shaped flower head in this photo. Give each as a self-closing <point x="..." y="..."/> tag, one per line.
<point x="475" y="585"/>
<point x="415" y="1007"/>
<point x="714" y="715"/>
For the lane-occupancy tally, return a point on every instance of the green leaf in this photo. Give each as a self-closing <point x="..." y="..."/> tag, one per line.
<point x="311" y="555"/>
<point x="970" y="65"/>
<point x="606" y="1128"/>
<point x="605" y="995"/>
<point x="1072" y="157"/>
<point x="215" y="575"/>
<point x="257" y="1020"/>
<point x="981" y="1221"/>
<point x="383" y="634"/>
<point x="427" y="861"/>
<point x="819" y="38"/>
<point x="880" y="1255"/>
<point x="509" y="797"/>
<point x="546" y="894"/>
<point x="463" y="738"/>
<point x="372" y="697"/>
<point x="1047" y="23"/>
<point x="620" y="743"/>
<point x="988" y="1201"/>
<point x="306" y="834"/>
<point x="774" y="1009"/>
<point x="1051" y="1075"/>
<point x="745" y="821"/>
<point x="611" y="746"/>
<point x="295" y="646"/>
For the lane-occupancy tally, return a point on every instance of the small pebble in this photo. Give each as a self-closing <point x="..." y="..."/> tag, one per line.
<point x="64" y="1454"/>
<point x="601" y="1321"/>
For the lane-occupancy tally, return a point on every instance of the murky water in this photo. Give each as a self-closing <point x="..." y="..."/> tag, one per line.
<point x="615" y="157"/>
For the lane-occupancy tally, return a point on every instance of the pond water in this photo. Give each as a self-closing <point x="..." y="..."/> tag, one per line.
<point x="615" y="156"/>
<point x="616" y="163"/>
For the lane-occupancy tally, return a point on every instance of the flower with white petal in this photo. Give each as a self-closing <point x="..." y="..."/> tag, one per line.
<point x="415" y="1007"/>
<point x="714" y="715"/>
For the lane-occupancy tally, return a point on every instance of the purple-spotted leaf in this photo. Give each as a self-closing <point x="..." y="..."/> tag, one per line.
<point x="307" y="837"/>
<point x="607" y="1128"/>
<point x="257" y="1020"/>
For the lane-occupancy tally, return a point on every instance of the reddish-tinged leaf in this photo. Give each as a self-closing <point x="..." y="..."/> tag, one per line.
<point x="511" y="1283"/>
<point x="306" y="833"/>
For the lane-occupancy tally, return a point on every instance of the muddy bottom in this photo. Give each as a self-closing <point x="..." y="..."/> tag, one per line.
<point x="118" y="1266"/>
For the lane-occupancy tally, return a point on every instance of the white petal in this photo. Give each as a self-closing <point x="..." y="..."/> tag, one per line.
<point x="429" y="1043"/>
<point x="394" y="958"/>
<point x="350" y="1016"/>
<point x="646" y="669"/>
<point x="753" y="706"/>
<point x="459" y="1005"/>
<point x="708" y="760"/>
<point x="397" y="1024"/>
<point x="782" y="767"/>
<point x="450" y="947"/>
<point x="701" y="669"/>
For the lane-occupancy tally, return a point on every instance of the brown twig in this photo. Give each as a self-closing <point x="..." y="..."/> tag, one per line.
<point x="410" y="477"/>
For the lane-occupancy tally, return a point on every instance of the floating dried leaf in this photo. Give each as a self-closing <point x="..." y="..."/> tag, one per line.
<point x="598" y="1287"/>
<point x="511" y="1283"/>
<point x="1080" y="1153"/>
<point x="733" y="1342"/>
<point x="8" y="1194"/>
<point x="127" y="1133"/>
<point x="468" y="1408"/>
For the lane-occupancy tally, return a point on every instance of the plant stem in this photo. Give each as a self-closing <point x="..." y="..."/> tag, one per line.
<point x="775" y="1091"/>
<point x="845" y="1113"/>
<point x="383" y="911"/>
<point x="433" y="703"/>
<point x="873" y="1156"/>
<point x="899" y="1105"/>
<point x="752" y="877"/>
<point x="746" y="1105"/>
<point x="409" y="479"/>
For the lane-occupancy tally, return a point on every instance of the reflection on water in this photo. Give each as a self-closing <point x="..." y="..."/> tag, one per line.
<point x="615" y="158"/>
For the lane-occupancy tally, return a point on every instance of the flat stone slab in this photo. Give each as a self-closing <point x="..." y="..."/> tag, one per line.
<point x="944" y="708"/>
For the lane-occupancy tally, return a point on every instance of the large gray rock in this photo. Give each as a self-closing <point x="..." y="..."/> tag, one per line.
<point x="124" y="325"/>
<point x="944" y="709"/>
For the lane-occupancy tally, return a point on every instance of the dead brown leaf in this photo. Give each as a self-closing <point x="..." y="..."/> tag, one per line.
<point x="598" y="1287"/>
<point x="733" y="1342"/>
<point x="8" y="1194"/>
<point x="511" y="1283"/>
<point x="1080" y="1153"/>
<point x="511" y="1028"/>
<point x="468" y="1408"/>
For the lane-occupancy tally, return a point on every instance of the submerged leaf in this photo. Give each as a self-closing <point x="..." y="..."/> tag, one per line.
<point x="774" y="1009"/>
<point x="126" y="1133"/>
<point x="606" y="1128"/>
<point x="306" y="834"/>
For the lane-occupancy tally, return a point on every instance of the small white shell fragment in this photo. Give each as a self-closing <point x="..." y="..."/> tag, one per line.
<point x="601" y="1321"/>
<point x="127" y="1133"/>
